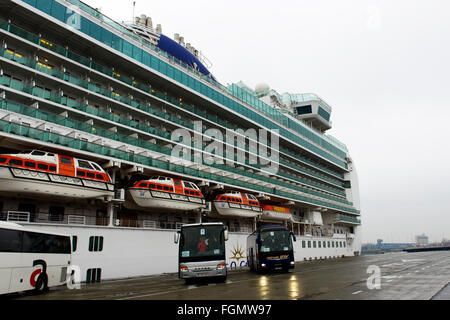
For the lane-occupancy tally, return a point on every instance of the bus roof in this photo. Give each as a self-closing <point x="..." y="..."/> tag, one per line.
<point x="19" y="227"/>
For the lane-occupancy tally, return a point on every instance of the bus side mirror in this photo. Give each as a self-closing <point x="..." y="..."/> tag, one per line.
<point x="225" y="234"/>
<point x="293" y="237"/>
<point x="176" y="237"/>
<point x="258" y="240"/>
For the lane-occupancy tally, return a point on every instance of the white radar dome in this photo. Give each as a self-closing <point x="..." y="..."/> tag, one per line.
<point x="262" y="87"/>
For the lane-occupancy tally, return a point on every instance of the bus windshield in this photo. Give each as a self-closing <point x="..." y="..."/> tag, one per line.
<point x="276" y="240"/>
<point x="201" y="243"/>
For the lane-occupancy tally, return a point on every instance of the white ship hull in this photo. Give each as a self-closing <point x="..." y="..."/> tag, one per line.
<point x="162" y="200"/>
<point x="24" y="181"/>
<point x="142" y="252"/>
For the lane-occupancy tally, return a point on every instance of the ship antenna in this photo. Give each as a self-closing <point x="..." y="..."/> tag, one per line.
<point x="134" y="6"/>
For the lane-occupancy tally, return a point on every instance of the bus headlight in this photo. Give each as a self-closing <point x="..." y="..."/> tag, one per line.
<point x="221" y="266"/>
<point x="263" y="265"/>
<point x="292" y="263"/>
<point x="184" y="269"/>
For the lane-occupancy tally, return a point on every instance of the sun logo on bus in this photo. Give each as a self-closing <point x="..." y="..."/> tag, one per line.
<point x="238" y="253"/>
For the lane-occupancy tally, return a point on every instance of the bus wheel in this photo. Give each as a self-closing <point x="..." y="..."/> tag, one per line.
<point x="41" y="283"/>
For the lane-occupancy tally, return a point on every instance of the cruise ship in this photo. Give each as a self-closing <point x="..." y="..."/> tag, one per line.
<point x="113" y="133"/>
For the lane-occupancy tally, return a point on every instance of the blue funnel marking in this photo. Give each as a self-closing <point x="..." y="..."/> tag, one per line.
<point x="178" y="51"/>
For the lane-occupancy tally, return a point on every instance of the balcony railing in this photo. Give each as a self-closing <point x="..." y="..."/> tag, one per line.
<point x="80" y="220"/>
<point x="49" y="137"/>
<point x="141" y="143"/>
<point x="348" y="220"/>
<point x="146" y="88"/>
<point x="88" y="62"/>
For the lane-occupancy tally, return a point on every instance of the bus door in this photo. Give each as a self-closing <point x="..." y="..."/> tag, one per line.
<point x="178" y="186"/>
<point x="66" y="166"/>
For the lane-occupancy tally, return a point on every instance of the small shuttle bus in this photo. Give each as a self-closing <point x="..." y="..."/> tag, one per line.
<point x="270" y="248"/>
<point x="32" y="260"/>
<point x="201" y="251"/>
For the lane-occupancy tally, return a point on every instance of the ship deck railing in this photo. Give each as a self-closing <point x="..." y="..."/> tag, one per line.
<point x="107" y="71"/>
<point x="86" y="220"/>
<point x="33" y="38"/>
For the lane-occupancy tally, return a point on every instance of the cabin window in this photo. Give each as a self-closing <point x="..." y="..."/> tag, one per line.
<point x="16" y="162"/>
<point x="30" y="164"/>
<point x="159" y="187"/>
<point x="2" y="160"/>
<point x="142" y="185"/>
<point x="74" y="243"/>
<point x="52" y="168"/>
<point x="42" y="166"/>
<point x="96" y="243"/>
<point x="65" y="160"/>
<point x="99" y="176"/>
<point x="93" y="275"/>
<point x="171" y="189"/>
<point x="90" y="175"/>
<point x="81" y="173"/>
<point x="152" y="186"/>
<point x="303" y="244"/>
<point x="96" y="166"/>
<point x="177" y="183"/>
<point x="84" y="164"/>
<point x="38" y="153"/>
<point x="166" y="188"/>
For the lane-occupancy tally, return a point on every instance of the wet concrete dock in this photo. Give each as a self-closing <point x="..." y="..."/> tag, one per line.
<point x="422" y="276"/>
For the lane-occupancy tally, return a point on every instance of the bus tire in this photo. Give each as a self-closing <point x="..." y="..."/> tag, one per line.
<point x="41" y="283"/>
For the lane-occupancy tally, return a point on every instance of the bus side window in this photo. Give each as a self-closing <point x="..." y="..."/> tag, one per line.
<point x="11" y="241"/>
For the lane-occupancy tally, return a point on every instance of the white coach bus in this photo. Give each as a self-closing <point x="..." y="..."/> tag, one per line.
<point x="32" y="260"/>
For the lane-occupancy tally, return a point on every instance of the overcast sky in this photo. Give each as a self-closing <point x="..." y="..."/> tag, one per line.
<point x="383" y="66"/>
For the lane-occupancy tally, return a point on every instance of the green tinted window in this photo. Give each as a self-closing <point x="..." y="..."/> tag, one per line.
<point x="58" y="11"/>
<point x="127" y="48"/>
<point x="44" y="5"/>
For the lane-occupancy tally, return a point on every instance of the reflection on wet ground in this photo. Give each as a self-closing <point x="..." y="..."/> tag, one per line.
<point x="402" y="276"/>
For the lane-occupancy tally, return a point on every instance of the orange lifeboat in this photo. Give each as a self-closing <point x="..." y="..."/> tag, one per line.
<point x="165" y="193"/>
<point x="237" y="204"/>
<point x="275" y="213"/>
<point x="47" y="173"/>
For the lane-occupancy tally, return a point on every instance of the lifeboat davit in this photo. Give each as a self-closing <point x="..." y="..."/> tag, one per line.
<point x="165" y="193"/>
<point x="47" y="173"/>
<point x="237" y="204"/>
<point x="275" y="213"/>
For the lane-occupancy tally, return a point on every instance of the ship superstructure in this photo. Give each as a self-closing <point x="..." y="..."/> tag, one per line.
<point x="76" y="84"/>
